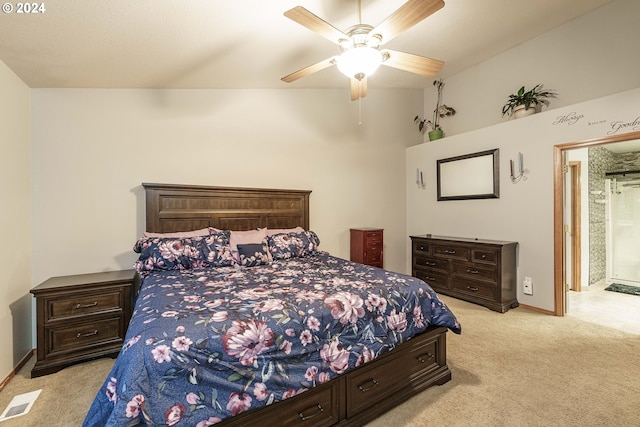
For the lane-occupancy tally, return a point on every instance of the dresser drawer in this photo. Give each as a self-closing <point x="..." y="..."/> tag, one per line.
<point x="367" y="246"/>
<point x="484" y="256"/>
<point x="431" y="263"/>
<point x="373" y="257"/>
<point x="85" y="335"/>
<point x="373" y="238"/>
<point x="433" y="278"/>
<point x="81" y="304"/>
<point x="475" y="271"/>
<point x="451" y="252"/>
<point x="421" y="248"/>
<point x="475" y="288"/>
<point x="369" y="385"/>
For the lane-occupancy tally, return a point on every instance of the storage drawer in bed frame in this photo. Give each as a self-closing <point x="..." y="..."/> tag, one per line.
<point x="359" y="396"/>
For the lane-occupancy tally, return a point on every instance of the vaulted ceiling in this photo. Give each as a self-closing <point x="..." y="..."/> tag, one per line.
<point x="249" y="43"/>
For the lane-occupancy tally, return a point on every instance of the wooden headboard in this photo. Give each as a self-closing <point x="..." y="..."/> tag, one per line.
<point x="172" y="208"/>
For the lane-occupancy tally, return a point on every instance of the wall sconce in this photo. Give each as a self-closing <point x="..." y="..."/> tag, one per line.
<point x="521" y="173"/>
<point x="419" y="179"/>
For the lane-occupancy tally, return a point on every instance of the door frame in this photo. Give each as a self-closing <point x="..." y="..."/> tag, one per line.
<point x="558" y="211"/>
<point x="575" y="169"/>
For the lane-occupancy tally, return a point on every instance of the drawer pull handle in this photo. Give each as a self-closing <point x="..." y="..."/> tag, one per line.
<point x="373" y="383"/>
<point x="430" y="264"/>
<point x="483" y="256"/>
<point x="93" y="304"/>
<point x="88" y="334"/>
<point x="473" y="288"/>
<point x="431" y="279"/>
<point x="448" y="252"/>
<point x="422" y="248"/>
<point x="422" y="359"/>
<point x="472" y="271"/>
<point x="318" y="409"/>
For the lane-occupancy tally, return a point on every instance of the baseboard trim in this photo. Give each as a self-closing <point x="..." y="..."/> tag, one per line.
<point x="15" y="370"/>
<point x="539" y="310"/>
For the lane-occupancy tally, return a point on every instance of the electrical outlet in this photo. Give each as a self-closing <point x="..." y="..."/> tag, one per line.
<point x="527" y="286"/>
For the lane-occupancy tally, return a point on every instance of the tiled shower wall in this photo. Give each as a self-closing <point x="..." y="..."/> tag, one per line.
<point x="601" y="161"/>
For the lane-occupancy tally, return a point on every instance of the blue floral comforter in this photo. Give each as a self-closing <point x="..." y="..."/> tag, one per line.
<point x="207" y="344"/>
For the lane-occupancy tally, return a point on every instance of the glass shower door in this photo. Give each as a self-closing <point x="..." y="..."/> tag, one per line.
<point x="624" y="224"/>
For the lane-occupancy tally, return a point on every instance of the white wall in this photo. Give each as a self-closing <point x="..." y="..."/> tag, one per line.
<point x="590" y="57"/>
<point x="524" y="211"/>
<point x="15" y="223"/>
<point x="93" y="148"/>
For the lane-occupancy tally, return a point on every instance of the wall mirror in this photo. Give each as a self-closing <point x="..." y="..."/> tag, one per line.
<point x="470" y="176"/>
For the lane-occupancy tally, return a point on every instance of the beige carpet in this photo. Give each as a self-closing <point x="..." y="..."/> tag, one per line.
<point x="520" y="368"/>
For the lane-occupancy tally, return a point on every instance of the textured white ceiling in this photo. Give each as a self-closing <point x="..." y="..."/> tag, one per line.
<point x="249" y="43"/>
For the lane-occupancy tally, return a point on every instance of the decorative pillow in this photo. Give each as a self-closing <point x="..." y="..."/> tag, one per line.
<point x="272" y="231"/>
<point x="245" y="237"/>
<point x="292" y="245"/>
<point x="213" y="250"/>
<point x="252" y="254"/>
<point x="180" y="234"/>
<point x="158" y="253"/>
<point x="161" y="253"/>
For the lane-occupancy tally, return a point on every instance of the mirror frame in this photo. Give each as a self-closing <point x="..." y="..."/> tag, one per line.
<point x="480" y="180"/>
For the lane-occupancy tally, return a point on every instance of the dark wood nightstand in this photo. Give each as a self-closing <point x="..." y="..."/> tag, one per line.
<point x="366" y="246"/>
<point x="82" y="317"/>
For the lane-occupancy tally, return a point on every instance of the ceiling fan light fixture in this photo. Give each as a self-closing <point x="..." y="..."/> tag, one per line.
<point x="361" y="60"/>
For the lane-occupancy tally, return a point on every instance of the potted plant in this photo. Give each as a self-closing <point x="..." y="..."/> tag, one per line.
<point x="524" y="103"/>
<point x="439" y="112"/>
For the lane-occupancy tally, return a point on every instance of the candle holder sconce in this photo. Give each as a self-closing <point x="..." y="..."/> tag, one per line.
<point x="521" y="173"/>
<point x="420" y="179"/>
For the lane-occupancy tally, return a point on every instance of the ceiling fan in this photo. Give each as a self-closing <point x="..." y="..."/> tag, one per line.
<point x="360" y="44"/>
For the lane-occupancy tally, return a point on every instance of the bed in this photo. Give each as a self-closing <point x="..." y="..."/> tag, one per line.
<point x="248" y="333"/>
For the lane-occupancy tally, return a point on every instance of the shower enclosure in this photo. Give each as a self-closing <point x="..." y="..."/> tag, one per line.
<point x="622" y="218"/>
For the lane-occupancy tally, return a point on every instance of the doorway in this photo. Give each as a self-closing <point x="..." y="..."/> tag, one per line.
<point x="560" y="219"/>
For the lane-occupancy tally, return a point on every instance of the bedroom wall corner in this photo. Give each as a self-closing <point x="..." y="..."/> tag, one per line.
<point x="15" y="221"/>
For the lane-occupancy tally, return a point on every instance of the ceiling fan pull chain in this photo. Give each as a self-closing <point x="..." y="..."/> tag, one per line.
<point x="359" y="111"/>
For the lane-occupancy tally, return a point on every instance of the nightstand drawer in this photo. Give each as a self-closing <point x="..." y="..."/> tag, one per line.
<point x="82" y="317"/>
<point x="83" y="304"/>
<point x="90" y="334"/>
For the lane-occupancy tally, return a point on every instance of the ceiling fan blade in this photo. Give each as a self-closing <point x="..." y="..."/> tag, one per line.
<point x="408" y="15"/>
<point x="307" y="19"/>
<point x="413" y="63"/>
<point x="309" y="70"/>
<point x="358" y="88"/>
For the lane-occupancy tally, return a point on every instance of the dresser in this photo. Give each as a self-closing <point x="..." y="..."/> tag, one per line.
<point x="475" y="270"/>
<point x="81" y="317"/>
<point x="366" y="246"/>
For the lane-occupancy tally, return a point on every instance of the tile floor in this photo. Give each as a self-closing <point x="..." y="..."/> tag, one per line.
<point x="612" y="309"/>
